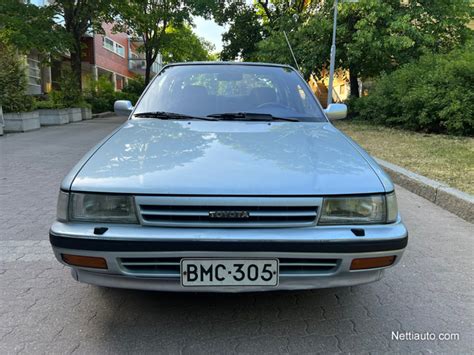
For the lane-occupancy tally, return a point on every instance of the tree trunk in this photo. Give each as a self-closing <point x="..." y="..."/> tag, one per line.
<point x="148" y="65"/>
<point x="354" y="81"/>
<point x="76" y="64"/>
<point x="148" y="72"/>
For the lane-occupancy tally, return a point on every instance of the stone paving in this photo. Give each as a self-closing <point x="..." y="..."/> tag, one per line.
<point x="43" y="310"/>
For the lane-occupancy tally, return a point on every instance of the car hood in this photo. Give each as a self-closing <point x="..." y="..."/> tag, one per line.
<point x="150" y="156"/>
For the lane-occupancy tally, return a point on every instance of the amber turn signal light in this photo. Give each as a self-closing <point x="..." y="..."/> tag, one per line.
<point x="85" y="261"/>
<point x="371" y="263"/>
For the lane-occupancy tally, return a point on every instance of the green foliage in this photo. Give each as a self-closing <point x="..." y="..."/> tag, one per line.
<point x="148" y="21"/>
<point x="181" y="44"/>
<point x="245" y="31"/>
<point x="252" y="24"/>
<point x="78" y="17"/>
<point x="152" y="23"/>
<point x="68" y="94"/>
<point x="134" y="88"/>
<point x="13" y="81"/>
<point x="52" y="103"/>
<point x="100" y="95"/>
<point x="28" y="27"/>
<point x="52" y="29"/>
<point x="373" y="36"/>
<point x="434" y="94"/>
<point x="47" y="105"/>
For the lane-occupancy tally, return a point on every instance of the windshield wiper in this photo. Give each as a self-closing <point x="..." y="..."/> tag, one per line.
<point x="163" y="115"/>
<point x="250" y="116"/>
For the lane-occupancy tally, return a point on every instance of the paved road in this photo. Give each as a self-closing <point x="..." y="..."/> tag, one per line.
<point x="42" y="310"/>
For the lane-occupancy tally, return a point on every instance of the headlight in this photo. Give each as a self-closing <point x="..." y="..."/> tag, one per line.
<point x="102" y="208"/>
<point x="375" y="209"/>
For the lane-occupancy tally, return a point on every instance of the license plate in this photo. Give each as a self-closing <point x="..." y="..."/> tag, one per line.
<point x="229" y="272"/>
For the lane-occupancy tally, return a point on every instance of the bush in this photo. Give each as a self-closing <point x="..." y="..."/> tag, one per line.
<point x="134" y="89"/>
<point x="68" y="94"/>
<point x="13" y="82"/>
<point x="101" y="95"/>
<point x="434" y="94"/>
<point x="47" y="105"/>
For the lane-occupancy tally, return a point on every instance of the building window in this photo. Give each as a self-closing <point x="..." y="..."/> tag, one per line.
<point x="34" y="72"/>
<point x="113" y="46"/>
<point x="120" y="50"/>
<point x="108" y="44"/>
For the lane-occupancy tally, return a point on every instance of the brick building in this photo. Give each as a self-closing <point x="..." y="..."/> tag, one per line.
<point x="114" y="55"/>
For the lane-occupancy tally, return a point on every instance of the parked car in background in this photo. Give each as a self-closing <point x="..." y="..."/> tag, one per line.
<point x="228" y="177"/>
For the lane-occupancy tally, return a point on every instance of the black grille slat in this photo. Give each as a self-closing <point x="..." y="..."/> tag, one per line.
<point x="163" y="267"/>
<point x="304" y="267"/>
<point x="170" y="267"/>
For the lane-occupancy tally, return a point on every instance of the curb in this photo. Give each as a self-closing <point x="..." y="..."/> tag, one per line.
<point x="448" y="198"/>
<point x="103" y="114"/>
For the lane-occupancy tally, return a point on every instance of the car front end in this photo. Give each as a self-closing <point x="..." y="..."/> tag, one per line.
<point x="205" y="200"/>
<point x="309" y="239"/>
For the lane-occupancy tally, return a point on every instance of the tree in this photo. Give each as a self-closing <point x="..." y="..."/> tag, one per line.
<point x="249" y="24"/>
<point x="245" y="31"/>
<point x="27" y="27"/>
<point x="182" y="45"/>
<point x="30" y="27"/>
<point x="79" y="17"/>
<point x="373" y="36"/>
<point x="148" y="21"/>
<point x="379" y="37"/>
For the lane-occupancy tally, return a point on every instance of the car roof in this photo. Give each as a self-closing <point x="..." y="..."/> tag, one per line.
<point x="232" y="63"/>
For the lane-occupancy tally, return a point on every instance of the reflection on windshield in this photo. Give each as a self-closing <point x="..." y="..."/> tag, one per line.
<point x="211" y="89"/>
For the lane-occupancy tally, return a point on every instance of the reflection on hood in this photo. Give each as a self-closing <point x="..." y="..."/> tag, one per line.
<point x="202" y="157"/>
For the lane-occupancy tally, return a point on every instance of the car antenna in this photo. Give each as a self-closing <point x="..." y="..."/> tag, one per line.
<point x="291" y="50"/>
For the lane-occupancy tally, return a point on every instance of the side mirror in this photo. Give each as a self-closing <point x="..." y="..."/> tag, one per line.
<point x="123" y="108"/>
<point x="336" y="111"/>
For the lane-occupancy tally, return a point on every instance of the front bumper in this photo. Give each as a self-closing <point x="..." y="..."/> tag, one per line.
<point x="132" y="241"/>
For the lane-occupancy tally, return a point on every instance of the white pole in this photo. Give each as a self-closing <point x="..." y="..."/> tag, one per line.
<point x="333" y="55"/>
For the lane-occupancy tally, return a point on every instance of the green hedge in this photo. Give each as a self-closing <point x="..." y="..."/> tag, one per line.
<point x="434" y="94"/>
<point x="101" y="95"/>
<point x="13" y="82"/>
<point x="68" y="94"/>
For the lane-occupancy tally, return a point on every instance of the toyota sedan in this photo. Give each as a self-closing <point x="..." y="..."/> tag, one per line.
<point x="227" y="177"/>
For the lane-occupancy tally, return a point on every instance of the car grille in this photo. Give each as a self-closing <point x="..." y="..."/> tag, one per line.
<point x="228" y="212"/>
<point x="170" y="267"/>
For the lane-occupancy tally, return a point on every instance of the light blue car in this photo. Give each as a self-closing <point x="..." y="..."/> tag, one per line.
<point x="228" y="177"/>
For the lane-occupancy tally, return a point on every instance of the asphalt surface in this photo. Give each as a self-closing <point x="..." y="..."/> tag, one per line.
<point x="43" y="310"/>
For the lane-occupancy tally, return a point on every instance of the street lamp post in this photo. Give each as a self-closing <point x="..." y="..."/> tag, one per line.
<point x="333" y="55"/>
<point x="332" y="64"/>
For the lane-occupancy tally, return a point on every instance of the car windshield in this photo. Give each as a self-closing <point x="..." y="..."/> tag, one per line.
<point x="207" y="89"/>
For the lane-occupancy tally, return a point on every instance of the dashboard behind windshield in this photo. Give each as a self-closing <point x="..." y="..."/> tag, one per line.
<point x="201" y="90"/>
